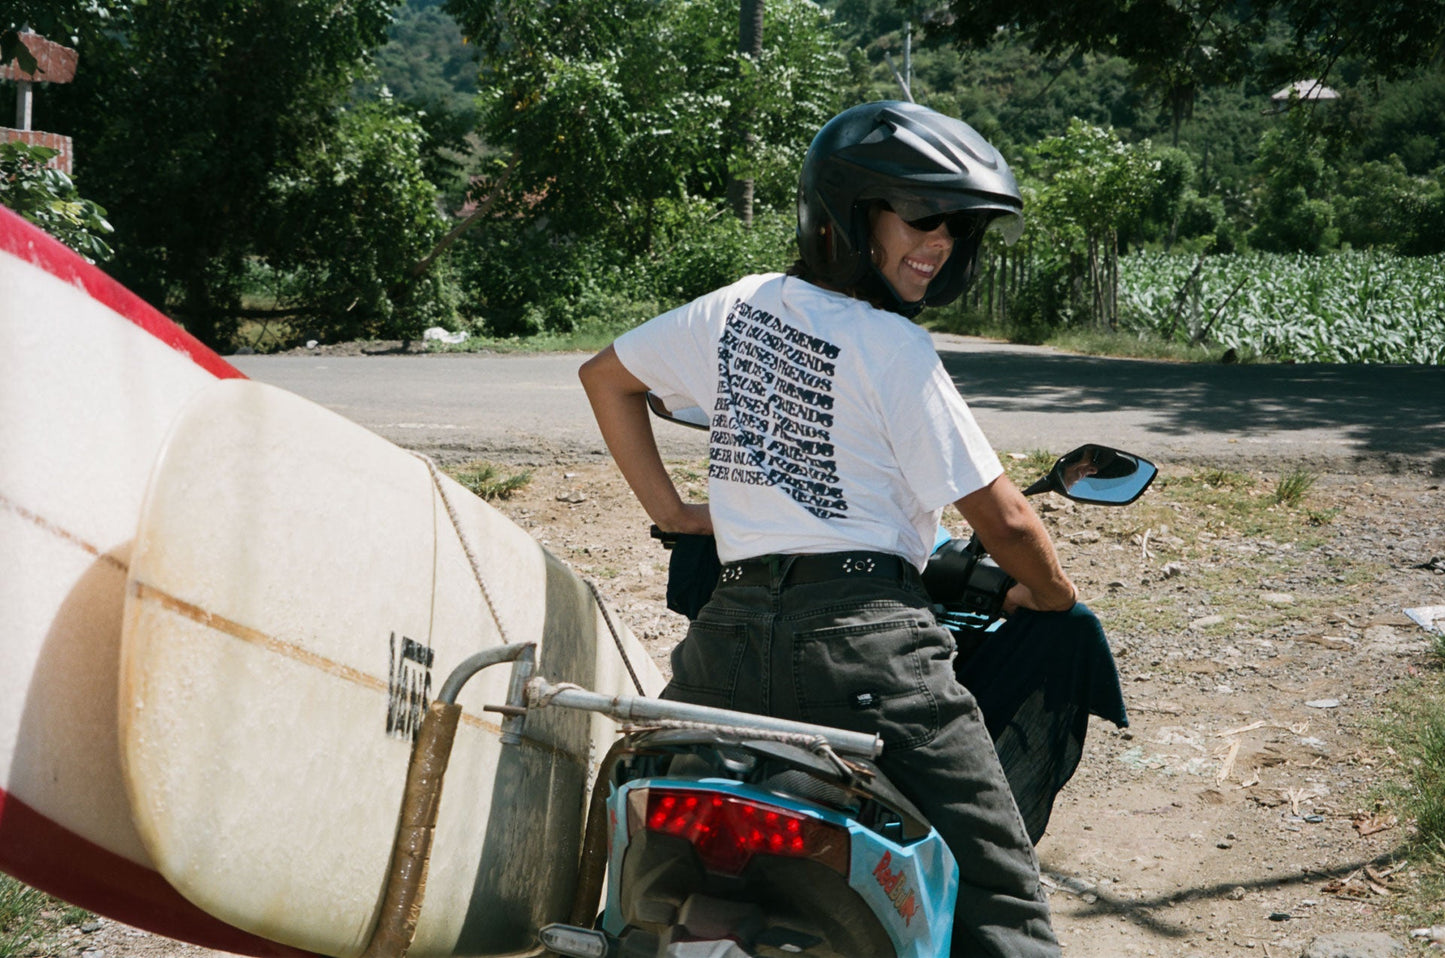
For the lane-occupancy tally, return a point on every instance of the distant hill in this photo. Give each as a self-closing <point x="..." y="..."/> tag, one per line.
<point x="426" y="63"/>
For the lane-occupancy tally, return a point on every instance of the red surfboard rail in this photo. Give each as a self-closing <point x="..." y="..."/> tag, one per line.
<point x="27" y="242"/>
<point x="33" y="848"/>
<point x="41" y="854"/>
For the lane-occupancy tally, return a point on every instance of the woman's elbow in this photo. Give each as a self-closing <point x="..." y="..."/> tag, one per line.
<point x="590" y="371"/>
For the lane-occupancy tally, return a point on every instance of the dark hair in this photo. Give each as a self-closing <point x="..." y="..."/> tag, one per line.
<point x="869" y="288"/>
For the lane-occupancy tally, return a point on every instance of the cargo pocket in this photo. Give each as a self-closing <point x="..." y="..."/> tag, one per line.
<point x="870" y="678"/>
<point x="708" y="664"/>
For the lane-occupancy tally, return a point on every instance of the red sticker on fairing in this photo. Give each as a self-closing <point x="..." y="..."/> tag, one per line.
<point x="896" y="888"/>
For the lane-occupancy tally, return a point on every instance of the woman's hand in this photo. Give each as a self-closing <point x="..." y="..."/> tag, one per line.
<point x="693" y="518"/>
<point x="1020" y="596"/>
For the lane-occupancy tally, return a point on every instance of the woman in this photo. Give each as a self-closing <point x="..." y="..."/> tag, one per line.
<point x="837" y="439"/>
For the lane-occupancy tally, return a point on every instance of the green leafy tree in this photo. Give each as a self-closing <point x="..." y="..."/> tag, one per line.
<point x="186" y="110"/>
<point x="1293" y="212"/>
<point x="618" y="113"/>
<point x="614" y="106"/>
<point x="1379" y="204"/>
<point x="48" y="198"/>
<point x="351" y="223"/>
<point x="1089" y="188"/>
<point x="1180" y="48"/>
<point x="1405" y="118"/>
<point x="1170" y="190"/>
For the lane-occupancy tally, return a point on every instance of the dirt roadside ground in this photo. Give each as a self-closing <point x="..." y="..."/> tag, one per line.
<point x="1229" y="817"/>
<point x="1236" y="815"/>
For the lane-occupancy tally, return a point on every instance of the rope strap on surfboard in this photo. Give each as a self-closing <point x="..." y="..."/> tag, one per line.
<point x="616" y="639"/>
<point x="435" y="474"/>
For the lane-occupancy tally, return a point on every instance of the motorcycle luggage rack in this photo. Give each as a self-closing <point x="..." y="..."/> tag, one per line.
<point x="663" y="713"/>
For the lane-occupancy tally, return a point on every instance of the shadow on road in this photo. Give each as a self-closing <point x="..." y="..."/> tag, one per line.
<point x="1151" y="913"/>
<point x="1383" y="411"/>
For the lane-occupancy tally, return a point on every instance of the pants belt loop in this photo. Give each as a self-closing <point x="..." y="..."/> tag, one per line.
<point x="778" y="568"/>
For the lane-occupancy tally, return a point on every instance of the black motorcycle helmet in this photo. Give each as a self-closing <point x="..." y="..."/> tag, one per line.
<point x="920" y="163"/>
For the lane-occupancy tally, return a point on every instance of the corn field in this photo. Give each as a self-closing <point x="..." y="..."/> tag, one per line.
<point x="1356" y="307"/>
<point x="1345" y="308"/>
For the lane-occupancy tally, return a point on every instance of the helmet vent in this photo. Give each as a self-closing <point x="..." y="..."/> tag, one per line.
<point x="953" y="154"/>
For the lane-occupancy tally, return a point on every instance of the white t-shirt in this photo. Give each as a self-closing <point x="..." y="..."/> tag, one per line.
<point x="834" y="424"/>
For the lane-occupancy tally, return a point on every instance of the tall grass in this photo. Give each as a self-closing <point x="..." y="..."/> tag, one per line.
<point x="1427" y="774"/>
<point x="20" y="908"/>
<point x="487" y="481"/>
<point x="1416" y="732"/>
<point x="1294" y="486"/>
<point x="28" y="916"/>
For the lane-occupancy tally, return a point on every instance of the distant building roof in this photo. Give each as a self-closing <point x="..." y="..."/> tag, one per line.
<point x="1305" y="90"/>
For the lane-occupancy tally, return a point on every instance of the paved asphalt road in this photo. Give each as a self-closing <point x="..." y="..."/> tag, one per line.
<point x="529" y="409"/>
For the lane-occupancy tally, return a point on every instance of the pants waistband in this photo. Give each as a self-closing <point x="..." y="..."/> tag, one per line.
<point x="824" y="567"/>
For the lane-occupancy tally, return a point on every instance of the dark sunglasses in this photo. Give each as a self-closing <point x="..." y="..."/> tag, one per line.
<point x="960" y="223"/>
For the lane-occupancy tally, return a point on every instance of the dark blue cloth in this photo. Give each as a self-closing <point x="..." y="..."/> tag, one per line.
<point x="1037" y="678"/>
<point x="692" y="571"/>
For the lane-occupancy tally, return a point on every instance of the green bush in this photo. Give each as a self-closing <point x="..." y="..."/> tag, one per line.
<point x="519" y="278"/>
<point x="351" y="225"/>
<point x="1424" y="216"/>
<point x="1050" y="299"/>
<point x="702" y="247"/>
<point x="570" y="283"/>
<point x="1205" y="227"/>
<point x="48" y="198"/>
<point x="1418" y="735"/>
<point x="1292" y="213"/>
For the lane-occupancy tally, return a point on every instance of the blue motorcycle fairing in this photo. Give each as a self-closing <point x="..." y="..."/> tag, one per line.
<point x="911" y="887"/>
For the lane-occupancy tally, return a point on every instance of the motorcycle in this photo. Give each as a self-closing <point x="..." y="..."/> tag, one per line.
<point x="719" y="834"/>
<point x="728" y="835"/>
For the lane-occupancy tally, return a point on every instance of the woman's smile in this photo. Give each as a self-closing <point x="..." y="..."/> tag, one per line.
<point x="906" y="257"/>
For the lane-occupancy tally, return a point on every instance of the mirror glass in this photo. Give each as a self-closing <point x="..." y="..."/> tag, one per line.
<point x="691" y="416"/>
<point x="1099" y="474"/>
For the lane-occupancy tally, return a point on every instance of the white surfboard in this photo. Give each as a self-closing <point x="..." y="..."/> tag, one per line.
<point x="297" y="589"/>
<point x="90" y="380"/>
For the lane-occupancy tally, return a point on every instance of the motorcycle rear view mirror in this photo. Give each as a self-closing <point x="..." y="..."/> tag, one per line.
<point x="691" y="416"/>
<point x="1098" y="474"/>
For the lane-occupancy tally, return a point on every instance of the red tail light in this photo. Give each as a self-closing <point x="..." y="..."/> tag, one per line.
<point x="728" y="830"/>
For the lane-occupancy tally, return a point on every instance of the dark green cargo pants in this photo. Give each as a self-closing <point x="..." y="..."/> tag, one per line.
<point x="865" y="654"/>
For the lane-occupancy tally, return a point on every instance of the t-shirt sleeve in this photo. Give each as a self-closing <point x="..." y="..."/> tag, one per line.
<point x="665" y="353"/>
<point x="941" y="450"/>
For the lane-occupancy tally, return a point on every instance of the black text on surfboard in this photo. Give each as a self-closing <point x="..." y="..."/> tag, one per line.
<point x="408" y="686"/>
